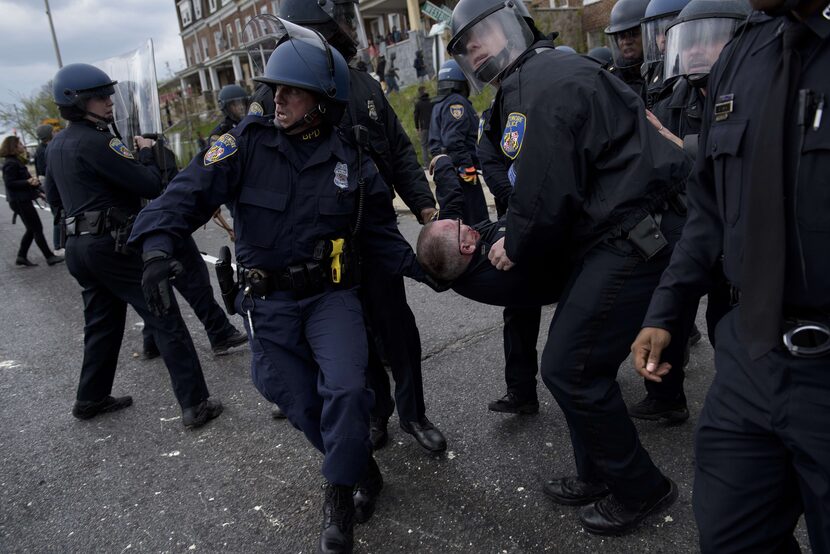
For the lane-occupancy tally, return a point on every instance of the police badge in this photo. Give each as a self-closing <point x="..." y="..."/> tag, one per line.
<point x="514" y="132"/>
<point x="121" y="149"/>
<point x="341" y="176"/>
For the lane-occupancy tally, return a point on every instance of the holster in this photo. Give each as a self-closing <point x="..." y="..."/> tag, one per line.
<point x="227" y="285"/>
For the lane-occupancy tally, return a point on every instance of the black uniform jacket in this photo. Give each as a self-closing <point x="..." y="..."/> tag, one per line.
<point x="453" y="130"/>
<point x="717" y="198"/>
<point x="680" y="110"/>
<point x="89" y="169"/>
<point x="285" y="199"/>
<point x="585" y="160"/>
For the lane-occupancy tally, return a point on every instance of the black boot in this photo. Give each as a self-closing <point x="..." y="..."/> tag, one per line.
<point x="338" y="521"/>
<point x="366" y="492"/>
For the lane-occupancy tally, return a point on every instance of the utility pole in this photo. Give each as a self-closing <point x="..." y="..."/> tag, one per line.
<point x="54" y="37"/>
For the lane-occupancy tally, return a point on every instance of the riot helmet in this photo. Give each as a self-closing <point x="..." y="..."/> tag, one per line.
<point x="659" y="14"/>
<point x="234" y="101"/>
<point x="452" y="79"/>
<point x="697" y="36"/>
<point x="488" y="36"/>
<point x="44" y="132"/>
<point x="624" y="33"/>
<point x="601" y="55"/>
<point x="303" y="59"/>
<point x="566" y="48"/>
<point x="339" y="21"/>
<point x="76" y="83"/>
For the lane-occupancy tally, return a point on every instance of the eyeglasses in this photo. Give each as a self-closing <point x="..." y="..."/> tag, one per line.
<point x="460" y="251"/>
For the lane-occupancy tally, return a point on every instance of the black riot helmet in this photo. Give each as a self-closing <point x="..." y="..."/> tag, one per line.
<point x="488" y="36"/>
<point x="659" y="14"/>
<point x="233" y="101"/>
<point x="697" y="36"/>
<point x="339" y="21"/>
<point x="624" y="33"/>
<point x="601" y="55"/>
<point x="452" y="79"/>
<point x="303" y="59"/>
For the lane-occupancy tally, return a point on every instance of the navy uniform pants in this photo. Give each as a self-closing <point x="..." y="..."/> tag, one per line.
<point x="521" y="361"/>
<point x="598" y="317"/>
<point x="194" y="286"/>
<point x="110" y="281"/>
<point x="309" y="358"/>
<point x="762" y="450"/>
<point x="392" y="323"/>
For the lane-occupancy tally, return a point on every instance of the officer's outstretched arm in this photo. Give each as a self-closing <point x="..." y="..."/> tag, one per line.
<point x="190" y="199"/>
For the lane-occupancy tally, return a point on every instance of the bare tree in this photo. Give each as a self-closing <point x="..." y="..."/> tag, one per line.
<point x="28" y="112"/>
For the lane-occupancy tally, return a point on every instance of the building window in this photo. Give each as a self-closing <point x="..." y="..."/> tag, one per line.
<point x="596" y="39"/>
<point x="205" y="50"/>
<point x="587" y="2"/>
<point x="264" y="8"/>
<point x="185" y="14"/>
<point x="229" y="35"/>
<point x="217" y="41"/>
<point x="238" y="25"/>
<point x="211" y="6"/>
<point x="197" y="9"/>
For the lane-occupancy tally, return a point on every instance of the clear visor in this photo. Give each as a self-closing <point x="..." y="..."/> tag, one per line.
<point x="236" y="109"/>
<point x="264" y="32"/>
<point x="488" y="47"/>
<point x="347" y="16"/>
<point x="693" y="46"/>
<point x="626" y="48"/>
<point x="654" y="38"/>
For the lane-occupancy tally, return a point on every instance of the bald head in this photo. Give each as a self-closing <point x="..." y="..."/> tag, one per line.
<point x="439" y="249"/>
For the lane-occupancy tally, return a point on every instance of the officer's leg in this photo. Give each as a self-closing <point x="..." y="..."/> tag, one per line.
<point x="104" y="317"/>
<point x="746" y="496"/>
<point x="334" y="330"/>
<point x="595" y="321"/>
<point x="475" y="206"/>
<point x="521" y="332"/>
<point x="194" y="286"/>
<point x="282" y="366"/>
<point x="122" y="276"/>
<point x="806" y="435"/>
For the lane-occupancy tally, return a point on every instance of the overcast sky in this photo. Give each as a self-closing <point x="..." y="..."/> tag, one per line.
<point x="87" y="31"/>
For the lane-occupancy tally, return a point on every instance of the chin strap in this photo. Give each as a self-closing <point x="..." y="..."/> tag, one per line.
<point x="308" y="118"/>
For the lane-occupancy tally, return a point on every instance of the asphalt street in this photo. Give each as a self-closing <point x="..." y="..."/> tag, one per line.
<point x="138" y="481"/>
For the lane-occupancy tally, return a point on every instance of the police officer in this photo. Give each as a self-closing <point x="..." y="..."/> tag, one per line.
<point x="696" y="36"/>
<point x="99" y="184"/>
<point x="389" y="317"/>
<point x="626" y="41"/>
<point x="658" y="16"/>
<point x="297" y="246"/>
<point x="44" y="136"/>
<point x="233" y="101"/>
<point x="591" y="176"/>
<point x="760" y="201"/>
<point x="453" y="131"/>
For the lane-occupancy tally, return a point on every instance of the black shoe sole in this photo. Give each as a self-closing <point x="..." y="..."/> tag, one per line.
<point x="114" y="407"/>
<point x="673" y="417"/>
<point x="665" y="502"/>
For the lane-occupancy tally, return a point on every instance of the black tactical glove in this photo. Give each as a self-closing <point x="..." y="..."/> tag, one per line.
<point x="159" y="270"/>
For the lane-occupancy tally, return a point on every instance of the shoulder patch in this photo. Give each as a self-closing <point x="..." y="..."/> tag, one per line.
<point x="457" y="110"/>
<point x="121" y="149"/>
<point x="255" y="109"/>
<point x="514" y="133"/>
<point x="224" y="147"/>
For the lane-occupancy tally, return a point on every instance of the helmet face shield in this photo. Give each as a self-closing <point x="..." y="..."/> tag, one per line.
<point x="488" y="46"/>
<point x="265" y="32"/>
<point x="654" y="38"/>
<point x="347" y="16"/>
<point x="692" y="47"/>
<point x="626" y="47"/>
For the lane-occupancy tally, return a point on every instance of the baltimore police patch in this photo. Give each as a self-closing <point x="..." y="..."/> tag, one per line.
<point x="121" y="149"/>
<point x="457" y="110"/>
<point x="224" y="147"/>
<point x="514" y="132"/>
<point x="255" y="109"/>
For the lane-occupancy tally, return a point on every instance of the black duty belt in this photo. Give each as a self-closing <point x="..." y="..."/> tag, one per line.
<point x="302" y="279"/>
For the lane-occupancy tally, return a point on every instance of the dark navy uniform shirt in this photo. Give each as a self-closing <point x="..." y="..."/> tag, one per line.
<point x="40" y="159"/>
<point x="454" y="130"/>
<point x="286" y="193"/>
<point x="717" y="196"/>
<point x="88" y="169"/>
<point x="496" y="174"/>
<point x="680" y="108"/>
<point x="586" y="162"/>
